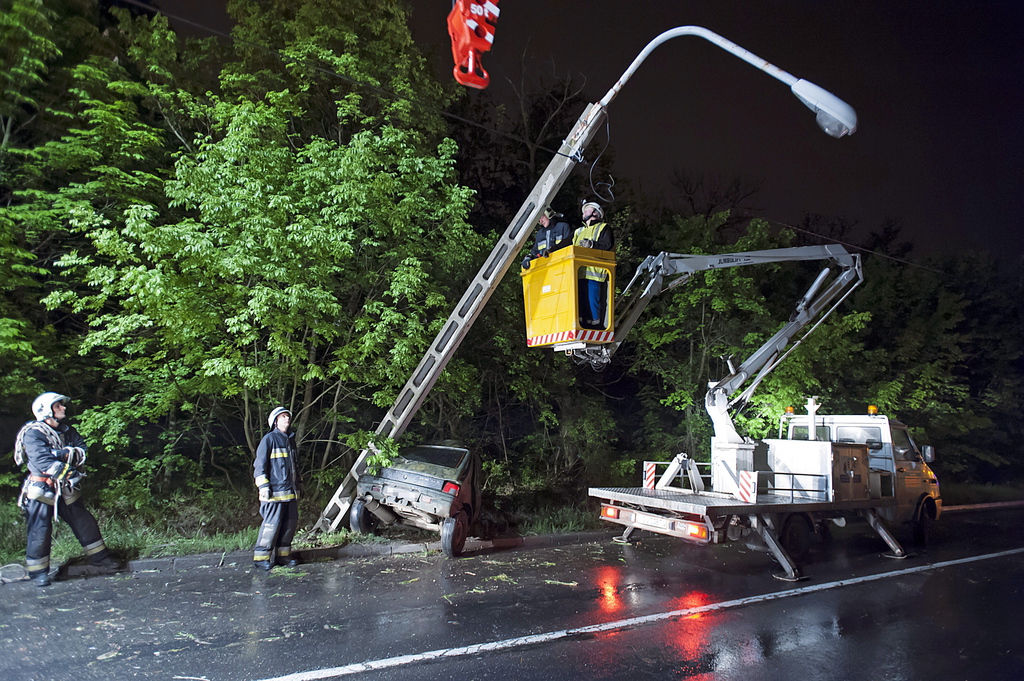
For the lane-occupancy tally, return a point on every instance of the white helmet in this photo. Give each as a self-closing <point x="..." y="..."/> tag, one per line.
<point x="42" y="406"/>
<point x="272" y="419"/>
<point x="597" y="209"/>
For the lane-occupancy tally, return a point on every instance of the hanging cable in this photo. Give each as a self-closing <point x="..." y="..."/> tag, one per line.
<point x="594" y="189"/>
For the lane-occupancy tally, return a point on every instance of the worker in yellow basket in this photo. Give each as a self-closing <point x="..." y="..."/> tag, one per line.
<point x="552" y="234"/>
<point x="593" y="281"/>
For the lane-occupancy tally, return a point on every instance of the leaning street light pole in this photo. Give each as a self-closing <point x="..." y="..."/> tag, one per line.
<point x="835" y="117"/>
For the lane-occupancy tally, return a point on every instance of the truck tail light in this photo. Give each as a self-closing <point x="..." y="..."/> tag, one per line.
<point x="610" y="512"/>
<point x="696" y="531"/>
<point x="450" y="488"/>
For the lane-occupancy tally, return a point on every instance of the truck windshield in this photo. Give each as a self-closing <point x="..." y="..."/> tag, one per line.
<point x="858" y="434"/>
<point x="438" y="456"/>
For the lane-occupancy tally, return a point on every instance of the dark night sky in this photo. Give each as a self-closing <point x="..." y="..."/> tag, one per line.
<point x="937" y="88"/>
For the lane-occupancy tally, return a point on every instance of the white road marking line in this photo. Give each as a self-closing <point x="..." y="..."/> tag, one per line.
<point x="476" y="649"/>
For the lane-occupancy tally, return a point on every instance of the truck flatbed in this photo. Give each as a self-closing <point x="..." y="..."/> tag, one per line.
<point x="711" y="505"/>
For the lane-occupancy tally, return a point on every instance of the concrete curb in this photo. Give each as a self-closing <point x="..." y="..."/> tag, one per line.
<point x="243" y="559"/>
<point x="983" y="507"/>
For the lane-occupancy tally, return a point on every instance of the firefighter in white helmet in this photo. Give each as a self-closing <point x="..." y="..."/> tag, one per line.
<point x="276" y="473"/>
<point x="55" y="454"/>
<point x="553" y="234"/>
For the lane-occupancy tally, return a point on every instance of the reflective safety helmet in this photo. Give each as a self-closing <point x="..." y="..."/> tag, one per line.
<point x="42" y="406"/>
<point x="552" y="214"/>
<point x="597" y="209"/>
<point x="272" y="419"/>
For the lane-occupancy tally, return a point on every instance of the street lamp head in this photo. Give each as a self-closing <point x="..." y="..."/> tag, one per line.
<point x="834" y="116"/>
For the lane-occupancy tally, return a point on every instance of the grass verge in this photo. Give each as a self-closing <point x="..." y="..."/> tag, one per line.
<point x="955" y="494"/>
<point x="560" y="520"/>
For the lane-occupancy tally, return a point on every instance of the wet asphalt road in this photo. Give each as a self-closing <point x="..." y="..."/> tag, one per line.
<point x="661" y="608"/>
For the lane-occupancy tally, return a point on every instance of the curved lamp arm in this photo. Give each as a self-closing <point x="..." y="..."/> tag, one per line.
<point x="834" y="116"/>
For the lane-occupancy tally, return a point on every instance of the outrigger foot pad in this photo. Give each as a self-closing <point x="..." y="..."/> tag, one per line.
<point x="896" y="556"/>
<point x="624" y="537"/>
<point x="786" y="577"/>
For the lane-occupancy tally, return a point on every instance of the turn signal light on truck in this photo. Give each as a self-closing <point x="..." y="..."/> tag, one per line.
<point x="610" y="512"/>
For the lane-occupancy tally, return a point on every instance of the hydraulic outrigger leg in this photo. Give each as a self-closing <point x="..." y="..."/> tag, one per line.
<point x="878" y="526"/>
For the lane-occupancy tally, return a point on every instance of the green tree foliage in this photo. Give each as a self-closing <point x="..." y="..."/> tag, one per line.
<point x="300" y="246"/>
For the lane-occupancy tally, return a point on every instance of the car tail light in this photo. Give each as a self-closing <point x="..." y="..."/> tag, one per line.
<point x="610" y="512"/>
<point x="450" y="488"/>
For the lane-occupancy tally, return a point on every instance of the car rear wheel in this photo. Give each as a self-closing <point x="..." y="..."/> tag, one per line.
<point x="453" y="534"/>
<point x="360" y="519"/>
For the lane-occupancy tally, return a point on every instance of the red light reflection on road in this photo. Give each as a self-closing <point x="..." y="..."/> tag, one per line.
<point x="693" y="599"/>
<point x="690" y="635"/>
<point x="608" y="580"/>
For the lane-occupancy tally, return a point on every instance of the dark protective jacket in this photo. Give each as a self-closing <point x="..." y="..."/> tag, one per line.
<point x="549" y="239"/>
<point x="276" y="467"/>
<point x="51" y="461"/>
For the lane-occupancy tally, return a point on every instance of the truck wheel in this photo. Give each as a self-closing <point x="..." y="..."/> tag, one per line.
<point x="796" y="537"/>
<point x="825" y="531"/>
<point x="360" y="519"/>
<point x="922" y="527"/>
<point x="453" y="534"/>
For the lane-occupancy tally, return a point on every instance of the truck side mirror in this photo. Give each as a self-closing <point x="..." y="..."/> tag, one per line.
<point x="928" y="452"/>
<point x="874" y="445"/>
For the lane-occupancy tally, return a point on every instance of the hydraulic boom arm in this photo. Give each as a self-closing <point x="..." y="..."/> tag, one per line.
<point x="659" y="273"/>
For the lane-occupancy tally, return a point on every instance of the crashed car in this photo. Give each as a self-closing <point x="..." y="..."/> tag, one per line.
<point x="432" y="487"/>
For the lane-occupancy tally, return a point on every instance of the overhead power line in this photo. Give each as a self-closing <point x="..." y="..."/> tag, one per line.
<point x="855" y="247"/>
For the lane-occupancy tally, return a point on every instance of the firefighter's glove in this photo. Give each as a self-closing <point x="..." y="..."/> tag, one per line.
<point x="526" y="263"/>
<point x="264" y="494"/>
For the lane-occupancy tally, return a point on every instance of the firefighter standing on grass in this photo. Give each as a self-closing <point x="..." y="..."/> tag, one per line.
<point x="55" y="454"/>
<point x="277" y="477"/>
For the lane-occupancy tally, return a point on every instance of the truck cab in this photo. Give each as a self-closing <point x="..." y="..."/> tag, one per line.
<point x="897" y="467"/>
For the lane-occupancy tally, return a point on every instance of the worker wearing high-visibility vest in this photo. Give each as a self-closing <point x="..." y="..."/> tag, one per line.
<point x="593" y="281"/>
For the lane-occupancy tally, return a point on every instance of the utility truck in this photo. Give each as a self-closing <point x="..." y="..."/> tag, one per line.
<point x="774" y="493"/>
<point x="787" y="489"/>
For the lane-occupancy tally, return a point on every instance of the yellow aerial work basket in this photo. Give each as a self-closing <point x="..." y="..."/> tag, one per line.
<point x="550" y="290"/>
